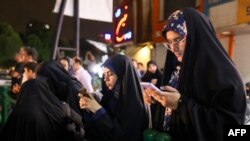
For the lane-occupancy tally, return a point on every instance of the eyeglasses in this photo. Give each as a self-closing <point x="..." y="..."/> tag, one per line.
<point x="175" y="43"/>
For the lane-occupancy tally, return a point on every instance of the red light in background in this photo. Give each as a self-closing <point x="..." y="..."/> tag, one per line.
<point x="123" y="25"/>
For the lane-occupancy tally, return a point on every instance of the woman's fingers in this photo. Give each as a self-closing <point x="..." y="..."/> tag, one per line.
<point x="168" y="98"/>
<point x="83" y="103"/>
<point x="156" y="96"/>
<point x="161" y="97"/>
<point x="168" y="88"/>
<point x="148" y="99"/>
<point x="91" y="96"/>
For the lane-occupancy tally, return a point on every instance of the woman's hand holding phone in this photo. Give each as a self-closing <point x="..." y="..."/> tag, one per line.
<point x="146" y="85"/>
<point x="148" y="99"/>
<point x="168" y="97"/>
<point x="88" y="102"/>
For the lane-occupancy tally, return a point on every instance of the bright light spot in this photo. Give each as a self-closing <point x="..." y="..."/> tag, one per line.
<point x="46" y="26"/>
<point x="226" y="33"/>
<point x="128" y="35"/>
<point x="118" y="13"/>
<point x="144" y="52"/>
<point x="151" y="47"/>
<point x="107" y="36"/>
<point x="104" y="58"/>
<point x="30" y="25"/>
<point x="98" y="70"/>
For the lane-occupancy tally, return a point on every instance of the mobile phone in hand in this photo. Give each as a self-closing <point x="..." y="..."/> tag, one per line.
<point x="84" y="92"/>
<point x="149" y="85"/>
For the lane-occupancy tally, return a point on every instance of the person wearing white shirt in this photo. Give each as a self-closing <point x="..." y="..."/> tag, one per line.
<point x="82" y="75"/>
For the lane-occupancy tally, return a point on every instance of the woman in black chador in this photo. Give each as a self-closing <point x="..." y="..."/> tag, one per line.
<point x="121" y="114"/>
<point x="209" y="92"/>
<point x="61" y="83"/>
<point x="39" y="116"/>
<point x="152" y="74"/>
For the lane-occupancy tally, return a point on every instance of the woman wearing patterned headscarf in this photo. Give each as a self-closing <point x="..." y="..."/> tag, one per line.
<point x="121" y="114"/>
<point x="205" y="91"/>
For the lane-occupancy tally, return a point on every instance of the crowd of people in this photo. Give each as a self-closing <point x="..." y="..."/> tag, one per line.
<point x="201" y="91"/>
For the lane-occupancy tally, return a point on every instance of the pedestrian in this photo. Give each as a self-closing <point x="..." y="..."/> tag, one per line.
<point x="209" y="93"/>
<point x="121" y="113"/>
<point x="40" y="116"/>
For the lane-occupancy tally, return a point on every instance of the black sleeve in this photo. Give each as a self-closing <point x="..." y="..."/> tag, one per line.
<point x="109" y="129"/>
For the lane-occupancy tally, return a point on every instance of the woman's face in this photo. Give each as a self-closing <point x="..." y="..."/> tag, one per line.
<point x="110" y="78"/>
<point x="176" y="43"/>
<point x="152" y="68"/>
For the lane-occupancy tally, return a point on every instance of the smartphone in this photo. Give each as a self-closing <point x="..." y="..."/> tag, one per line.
<point x="84" y="92"/>
<point x="149" y="85"/>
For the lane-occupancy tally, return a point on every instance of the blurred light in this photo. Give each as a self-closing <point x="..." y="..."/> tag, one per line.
<point x="97" y="69"/>
<point x="226" y="33"/>
<point x="99" y="45"/>
<point x="123" y="25"/>
<point x="46" y="26"/>
<point x="128" y="35"/>
<point x="30" y="25"/>
<point x="118" y="13"/>
<point x="122" y="52"/>
<point x="89" y="9"/>
<point x="107" y="36"/>
<point x="104" y="58"/>
<point x="144" y="52"/>
<point x="151" y="46"/>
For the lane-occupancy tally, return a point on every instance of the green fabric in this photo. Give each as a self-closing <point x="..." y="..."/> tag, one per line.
<point x="153" y="135"/>
<point x="5" y="103"/>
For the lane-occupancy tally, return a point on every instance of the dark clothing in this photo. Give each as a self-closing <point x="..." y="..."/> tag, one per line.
<point x="38" y="115"/>
<point x="171" y="63"/>
<point x="210" y="86"/>
<point x="19" y="68"/>
<point x="248" y="93"/>
<point x="17" y="80"/>
<point x="148" y="76"/>
<point x="124" y="118"/>
<point x="62" y="84"/>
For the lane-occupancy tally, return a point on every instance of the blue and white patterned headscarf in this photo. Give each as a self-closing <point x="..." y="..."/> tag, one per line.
<point x="176" y="22"/>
